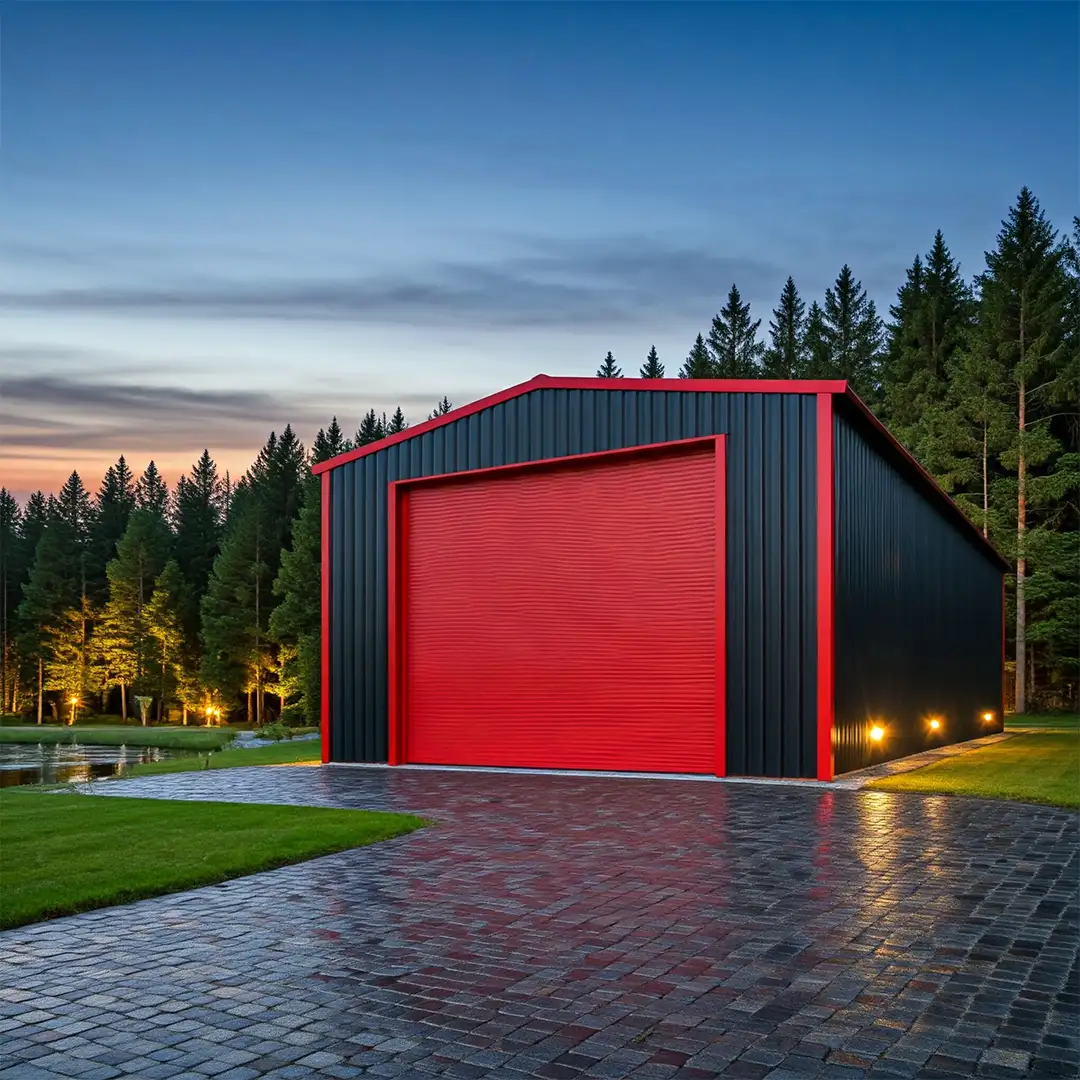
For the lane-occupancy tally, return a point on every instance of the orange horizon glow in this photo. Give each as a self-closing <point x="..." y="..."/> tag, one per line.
<point x="24" y="475"/>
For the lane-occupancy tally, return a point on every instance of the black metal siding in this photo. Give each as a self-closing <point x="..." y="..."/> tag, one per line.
<point x="918" y="613"/>
<point x="771" y="516"/>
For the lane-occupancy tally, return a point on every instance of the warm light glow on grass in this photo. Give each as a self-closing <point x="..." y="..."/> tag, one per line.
<point x="877" y="733"/>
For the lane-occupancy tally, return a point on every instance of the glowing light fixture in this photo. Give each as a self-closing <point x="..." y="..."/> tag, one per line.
<point x="935" y="724"/>
<point x="988" y="716"/>
<point x="877" y="733"/>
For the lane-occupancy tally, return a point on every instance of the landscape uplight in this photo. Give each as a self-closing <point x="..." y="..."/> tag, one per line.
<point x="877" y="733"/>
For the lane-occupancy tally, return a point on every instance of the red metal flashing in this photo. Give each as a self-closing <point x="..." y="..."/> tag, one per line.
<point x="549" y="382"/>
<point x="943" y="496"/>
<point x="400" y="496"/>
<point x="825" y="598"/>
<point x="730" y="386"/>
<point x="555" y="462"/>
<point x="324" y="637"/>
<point x="721" y="605"/>
<point x="1004" y="688"/>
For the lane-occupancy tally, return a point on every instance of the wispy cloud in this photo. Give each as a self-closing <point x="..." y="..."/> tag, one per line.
<point x="558" y="284"/>
<point x="43" y="412"/>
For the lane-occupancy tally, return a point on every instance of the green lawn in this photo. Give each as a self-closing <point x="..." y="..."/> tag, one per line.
<point x="175" y="738"/>
<point x="1043" y="722"/>
<point x="1032" y="766"/>
<point x="284" y="753"/>
<point x="64" y="853"/>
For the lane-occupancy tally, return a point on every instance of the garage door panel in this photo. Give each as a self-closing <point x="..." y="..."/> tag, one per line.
<point x="564" y="618"/>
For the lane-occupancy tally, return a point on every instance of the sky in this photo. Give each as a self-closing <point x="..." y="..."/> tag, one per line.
<point x="216" y="219"/>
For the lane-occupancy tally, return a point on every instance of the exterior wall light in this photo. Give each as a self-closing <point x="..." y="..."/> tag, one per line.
<point x="877" y="733"/>
<point x="988" y="717"/>
<point x="935" y="724"/>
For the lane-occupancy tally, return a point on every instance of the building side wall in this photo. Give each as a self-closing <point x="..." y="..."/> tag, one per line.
<point x="771" y="545"/>
<point x="917" y="614"/>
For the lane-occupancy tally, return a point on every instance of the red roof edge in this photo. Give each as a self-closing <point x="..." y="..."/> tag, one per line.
<point x="731" y="386"/>
<point x="935" y="489"/>
<point x="549" y="382"/>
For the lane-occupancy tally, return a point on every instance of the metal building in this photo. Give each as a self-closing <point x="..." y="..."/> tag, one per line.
<point x="664" y="575"/>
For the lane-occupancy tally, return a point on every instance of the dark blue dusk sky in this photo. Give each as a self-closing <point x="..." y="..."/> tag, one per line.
<point x="220" y="218"/>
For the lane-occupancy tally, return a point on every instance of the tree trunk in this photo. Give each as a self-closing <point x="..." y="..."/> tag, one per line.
<point x="40" y="687"/>
<point x="185" y="714"/>
<point x="986" y="496"/>
<point x="249" y="708"/>
<point x="1021" y="563"/>
<point x="123" y="701"/>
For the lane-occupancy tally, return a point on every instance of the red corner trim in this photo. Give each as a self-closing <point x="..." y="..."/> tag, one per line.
<point x="1004" y="688"/>
<point x="395" y="521"/>
<point x="324" y="632"/>
<point x="825" y="597"/>
<point x="721" y="606"/>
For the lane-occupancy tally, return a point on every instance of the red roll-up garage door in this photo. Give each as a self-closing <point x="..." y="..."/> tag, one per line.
<point x="563" y="614"/>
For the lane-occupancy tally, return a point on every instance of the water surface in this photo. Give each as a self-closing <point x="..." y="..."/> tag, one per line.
<point x="37" y="763"/>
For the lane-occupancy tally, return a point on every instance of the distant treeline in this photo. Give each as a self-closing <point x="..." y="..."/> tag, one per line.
<point x="205" y="599"/>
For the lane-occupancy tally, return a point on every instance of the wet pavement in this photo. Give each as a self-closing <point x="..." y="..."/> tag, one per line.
<point x="560" y="926"/>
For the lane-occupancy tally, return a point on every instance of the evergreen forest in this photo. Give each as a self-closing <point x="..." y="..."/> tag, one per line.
<point x="201" y="603"/>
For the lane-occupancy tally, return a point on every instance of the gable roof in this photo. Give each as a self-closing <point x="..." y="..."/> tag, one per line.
<point x="837" y="387"/>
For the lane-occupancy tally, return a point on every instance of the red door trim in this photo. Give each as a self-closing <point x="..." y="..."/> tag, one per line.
<point x="721" y="606"/>
<point x="825" y="583"/>
<point x="397" y="546"/>
<point x="324" y="629"/>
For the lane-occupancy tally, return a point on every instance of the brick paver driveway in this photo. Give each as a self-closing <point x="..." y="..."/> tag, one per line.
<point x="557" y="926"/>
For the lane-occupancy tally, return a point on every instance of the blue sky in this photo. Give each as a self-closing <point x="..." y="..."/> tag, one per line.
<point x="217" y="218"/>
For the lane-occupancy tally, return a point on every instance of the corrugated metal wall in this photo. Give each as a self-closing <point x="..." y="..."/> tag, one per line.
<point x="918" y="613"/>
<point x="771" y="517"/>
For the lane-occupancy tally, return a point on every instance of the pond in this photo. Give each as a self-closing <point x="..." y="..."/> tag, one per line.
<point x="34" y="763"/>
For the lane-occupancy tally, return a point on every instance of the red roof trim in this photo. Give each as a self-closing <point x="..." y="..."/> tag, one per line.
<point x="729" y="386"/>
<point x="974" y="532"/>
<point x="549" y="382"/>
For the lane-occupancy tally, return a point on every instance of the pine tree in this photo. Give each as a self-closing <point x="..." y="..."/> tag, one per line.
<point x="11" y="572"/>
<point x="112" y="507"/>
<point x="127" y="649"/>
<point x="698" y="364"/>
<point x="609" y="369"/>
<point x="786" y="356"/>
<point x="441" y="409"/>
<point x="397" y="422"/>
<point x="35" y="517"/>
<point x="198" y="520"/>
<point x="329" y="443"/>
<point x="69" y="664"/>
<point x="236" y="610"/>
<point x="295" y="622"/>
<point x="152" y="493"/>
<point x="52" y="591"/>
<point x="173" y="678"/>
<point x="853" y="334"/>
<point x="816" y="343"/>
<point x="371" y="429"/>
<point x="733" y="346"/>
<point x="1023" y="311"/>
<point x="652" y="368"/>
<point x="931" y="324"/>
<point x="238" y="655"/>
